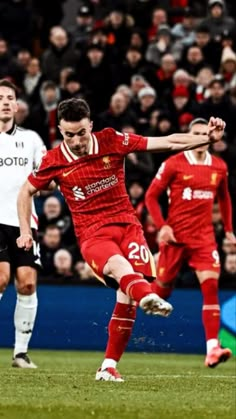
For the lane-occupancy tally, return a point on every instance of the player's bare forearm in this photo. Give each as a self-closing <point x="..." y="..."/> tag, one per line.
<point x="24" y="207"/>
<point x="185" y="141"/>
<point x="177" y="142"/>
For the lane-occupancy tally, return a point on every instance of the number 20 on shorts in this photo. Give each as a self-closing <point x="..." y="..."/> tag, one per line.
<point x="138" y="252"/>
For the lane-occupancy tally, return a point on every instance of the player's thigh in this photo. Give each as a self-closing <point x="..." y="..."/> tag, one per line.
<point x="101" y="249"/>
<point x="205" y="260"/>
<point x="170" y="260"/>
<point x="137" y="253"/>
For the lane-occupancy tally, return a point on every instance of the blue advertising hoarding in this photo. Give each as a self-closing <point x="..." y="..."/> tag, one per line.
<point x="76" y="317"/>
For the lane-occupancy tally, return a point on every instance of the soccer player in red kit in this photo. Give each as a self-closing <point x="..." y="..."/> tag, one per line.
<point x="88" y="167"/>
<point x="193" y="180"/>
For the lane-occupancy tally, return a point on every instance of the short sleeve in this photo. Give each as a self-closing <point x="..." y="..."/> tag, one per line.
<point x="39" y="149"/>
<point x="42" y="175"/>
<point x="125" y="143"/>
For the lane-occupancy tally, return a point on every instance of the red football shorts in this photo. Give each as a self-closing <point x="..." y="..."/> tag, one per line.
<point x="122" y="239"/>
<point x="199" y="258"/>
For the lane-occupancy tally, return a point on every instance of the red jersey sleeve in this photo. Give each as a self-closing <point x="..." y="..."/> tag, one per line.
<point x="41" y="177"/>
<point x="159" y="184"/>
<point x="125" y="143"/>
<point x="225" y="202"/>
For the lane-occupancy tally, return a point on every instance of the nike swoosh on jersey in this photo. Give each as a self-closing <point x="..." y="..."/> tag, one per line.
<point x="65" y="174"/>
<point x="186" y="177"/>
<point x="138" y="263"/>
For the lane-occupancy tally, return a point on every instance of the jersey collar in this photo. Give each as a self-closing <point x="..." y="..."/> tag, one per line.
<point x="12" y="130"/>
<point x="192" y="160"/>
<point x="70" y="156"/>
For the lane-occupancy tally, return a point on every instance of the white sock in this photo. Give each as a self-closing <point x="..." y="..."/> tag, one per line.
<point x="211" y="343"/>
<point x="1" y="294"/>
<point x="108" y="363"/>
<point x="24" y="318"/>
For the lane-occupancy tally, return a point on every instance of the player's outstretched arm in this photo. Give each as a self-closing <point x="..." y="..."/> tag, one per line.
<point x="186" y="141"/>
<point x="24" y="209"/>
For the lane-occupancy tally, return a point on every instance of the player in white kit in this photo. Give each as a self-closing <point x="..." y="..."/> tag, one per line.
<point x="20" y="151"/>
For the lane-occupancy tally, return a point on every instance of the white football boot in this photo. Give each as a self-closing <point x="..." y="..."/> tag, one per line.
<point x="109" y="374"/>
<point x="22" y="360"/>
<point x="153" y="304"/>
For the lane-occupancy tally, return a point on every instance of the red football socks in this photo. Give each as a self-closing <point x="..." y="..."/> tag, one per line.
<point x="163" y="292"/>
<point x="135" y="286"/>
<point x="210" y="308"/>
<point x="120" y="329"/>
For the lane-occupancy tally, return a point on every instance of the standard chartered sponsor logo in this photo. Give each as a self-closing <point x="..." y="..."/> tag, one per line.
<point x="102" y="184"/>
<point x="94" y="187"/>
<point x="189" y="194"/>
<point x="14" y="161"/>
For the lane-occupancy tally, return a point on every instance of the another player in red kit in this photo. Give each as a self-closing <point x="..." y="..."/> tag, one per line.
<point x="88" y="167"/>
<point x="193" y="180"/>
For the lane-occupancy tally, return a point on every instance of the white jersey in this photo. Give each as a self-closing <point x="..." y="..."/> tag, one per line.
<point x="21" y="151"/>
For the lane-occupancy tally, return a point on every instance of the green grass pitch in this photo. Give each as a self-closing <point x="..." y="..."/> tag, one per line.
<point x="157" y="386"/>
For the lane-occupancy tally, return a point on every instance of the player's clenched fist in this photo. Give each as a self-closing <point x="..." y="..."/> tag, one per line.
<point x="216" y="127"/>
<point x="166" y="235"/>
<point x="25" y="241"/>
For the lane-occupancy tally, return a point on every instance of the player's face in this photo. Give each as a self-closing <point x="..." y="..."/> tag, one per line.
<point x="8" y="104"/>
<point x="77" y="135"/>
<point x="200" y="129"/>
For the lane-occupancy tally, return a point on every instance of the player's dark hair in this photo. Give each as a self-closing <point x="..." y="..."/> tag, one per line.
<point x="9" y="84"/>
<point x="197" y="121"/>
<point x="73" y="110"/>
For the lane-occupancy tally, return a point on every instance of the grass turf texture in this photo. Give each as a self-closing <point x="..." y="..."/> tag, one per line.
<point x="157" y="386"/>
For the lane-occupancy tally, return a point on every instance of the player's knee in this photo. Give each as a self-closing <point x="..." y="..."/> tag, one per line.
<point x="26" y="288"/>
<point x="4" y="279"/>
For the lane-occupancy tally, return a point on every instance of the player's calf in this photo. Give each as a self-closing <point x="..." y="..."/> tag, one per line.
<point x="162" y="289"/>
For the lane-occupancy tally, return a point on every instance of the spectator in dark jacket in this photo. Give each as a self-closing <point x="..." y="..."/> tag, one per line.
<point x="117" y="115"/>
<point x="134" y="63"/>
<point x="60" y="54"/>
<point x="84" y="27"/>
<point x="96" y="75"/>
<point x="194" y="60"/>
<point x="218" y="21"/>
<point x="211" y="49"/>
<point x="147" y="103"/>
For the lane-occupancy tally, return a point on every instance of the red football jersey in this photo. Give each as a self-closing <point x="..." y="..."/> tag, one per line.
<point x="192" y="188"/>
<point x="93" y="186"/>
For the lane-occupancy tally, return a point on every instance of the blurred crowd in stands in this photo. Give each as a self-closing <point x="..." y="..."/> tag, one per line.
<point x="144" y="66"/>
